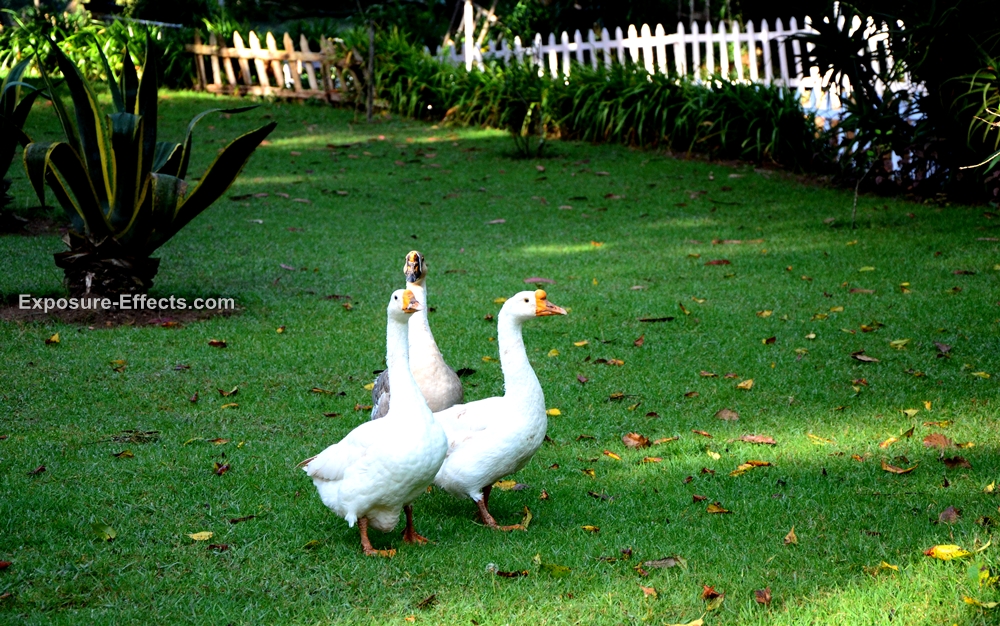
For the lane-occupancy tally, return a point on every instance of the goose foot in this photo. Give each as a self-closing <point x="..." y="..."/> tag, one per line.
<point x="366" y="546"/>
<point x="488" y="519"/>
<point x="409" y="534"/>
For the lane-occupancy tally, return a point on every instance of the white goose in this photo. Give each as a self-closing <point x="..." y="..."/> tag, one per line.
<point x="438" y="382"/>
<point x="382" y="466"/>
<point x="491" y="438"/>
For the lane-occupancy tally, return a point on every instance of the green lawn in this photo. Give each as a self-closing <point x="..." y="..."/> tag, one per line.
<point x="415" y="186"/>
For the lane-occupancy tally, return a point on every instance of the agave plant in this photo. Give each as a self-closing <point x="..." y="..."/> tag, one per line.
<point x="12" y="116"/>
<point x="123" y="190"/>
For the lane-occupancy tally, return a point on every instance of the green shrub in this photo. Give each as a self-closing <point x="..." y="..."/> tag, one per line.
<point x="123" y="191"/>
<point x="13" y="112"/>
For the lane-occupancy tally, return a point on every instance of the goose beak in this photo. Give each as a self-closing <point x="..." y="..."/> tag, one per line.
<point x="544" y="307"/>
<point x="410" y="302"/>
<point x="414" y="268"/>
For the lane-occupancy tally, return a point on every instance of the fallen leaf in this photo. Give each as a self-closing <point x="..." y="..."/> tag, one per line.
<point x="583" y="379"/>
<point x="910" y="412"/>
<point x="666" y="562"/>
<point x="949" y="516"/>
<point x="728" y="415"/>
<point x="864" y="358"/>
<point x="635" y="441"/>
<point x="982" y="605"/>
<point x="759" y="439"/>
<point x="981" y="374"/>
<point x="705" y="374"/>
<point x="665" y="440"/>
<point x="217" y="343"/>
<point x="553" y="412"/>
<point x="892" y="469"/>
<point x="899" y="344"/>
<point x="103" y="531"/>
<point x="946" y="552"/>
<point x="556" y="571"/>
<point x="769" y="340"/>
<point x="641" y="340"/>
<point x="220" y="469"/>
<point x="226" y="394"/>
<point x="515" y="574"/>
<point x="698" y="498"/>
<point x="709" y="593"/>
<point x="764" y="313"/>
<point x="616" y="362"/>
<point x="956" y="461"/>
<point x="716" y="508"/>
<point x="38" y="470"/>
<point x="731" y="375"/>
<point x="762" y="596"/>
<point x="656" y="319"/>
<point x="819" y="440"/>
<point x="124" y="454"/>
<point x="4" y="565"/>
<point x="937" y="440"/>
<point x="193" y="399"/>
<point x="691" y="394"/>
<point x="697" y="622"/>
<point x="506" y="485"/>
<point x="648" y="591"/>
<point x="612" y="455"/>
<point x="118" y="365"/>
<point x="746" y="384"/>
<point x="229" y="405"/>
<point x="544" y="495"/>
<point x="589" y="472"/>
<point x="202" y="536"/>
<point x="791" y="538"/>
<point x="713" y="455"/>
<point x="702" y="433"/>
<point x="718" y="262"/>
<point x="867" y="268"/>
<point x="651" y="459"/>
<point x="497" y="221"/>
<point x="580" y="344"/>
<point x="888" y="442"/>
<point x="591" y="529"/>
<point x="53" y="339"/>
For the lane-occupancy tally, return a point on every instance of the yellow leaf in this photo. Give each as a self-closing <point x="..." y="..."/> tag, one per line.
<point x="553" y="352"/>
<point x="836" y="309"/>
<point x="990" y="488"/>
<point x="790" y="538"/>
<point x="764" y="313"/>
<point x="946" y="552"/>
<point x="927" y="404"/>
<point x="279" y="329"/>
<point x="867" y="268"/>
<point x="697" y="622"/>
<point x="410" y="618"/>
<point x="505" y="485"/>
<point x="595" y="281"/>
<point x="819" y="440"/>
<point x="698" y="300"/>
<point x="591" y="529"/>
<point x="53" y="339"/>
<point x="230" y="405"/>
<point x="811" y="336"/>
<point x="612" y="455"/>
<point x="982" y="605"/>
<point x="369" y="386"/>
<point x="648" y="591"/>
<point x="553" y="412"/>
<point x="746" y="384"/>
<point x="884" y="565"/>
<point x="910" y="412"/>
<point x="981" y="374"/>
<point x="589" y="472"/>
<point x="500" y="300"/>
<point x="580" y="344"/>
<point x="714" y="455"/>
<point x="742" y="469"/>
<point x="715" y="602"/>
<point x="715" y="508"/>
<point x="888" y="442"/>
<point x="851" y="243"/>
<point x="819" y="316"/>
<point x="489" y="359"/>
<point x="892" y="469"/>
<point x="899" y="344"/>
<point x="202" y="536"/>
<point x="526" y="519"/>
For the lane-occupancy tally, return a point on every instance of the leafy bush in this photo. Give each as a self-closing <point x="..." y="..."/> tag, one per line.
<point x="621" y="104"/>
<point x="76" y="34"/>
<point x="123" y="190"/>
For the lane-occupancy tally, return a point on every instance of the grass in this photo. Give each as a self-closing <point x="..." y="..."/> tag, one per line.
<point x="296" y="563"/>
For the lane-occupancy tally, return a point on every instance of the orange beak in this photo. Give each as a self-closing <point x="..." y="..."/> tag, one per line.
<point x="410" y="302"/>
<point x="544" y="307"/>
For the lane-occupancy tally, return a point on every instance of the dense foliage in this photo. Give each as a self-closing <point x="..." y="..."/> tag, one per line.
<point x="621" y="104"/>
<point x="14" y="111"/>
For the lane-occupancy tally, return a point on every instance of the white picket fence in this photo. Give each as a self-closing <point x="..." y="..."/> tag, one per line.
<point x="758" y="54"/>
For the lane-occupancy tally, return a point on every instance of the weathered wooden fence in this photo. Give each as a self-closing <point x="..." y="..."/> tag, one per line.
<point x="752" y="53"/>
<point x="268" y="71"/>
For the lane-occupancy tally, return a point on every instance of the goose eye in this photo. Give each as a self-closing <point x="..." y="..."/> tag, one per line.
<point x="525" y="299"/>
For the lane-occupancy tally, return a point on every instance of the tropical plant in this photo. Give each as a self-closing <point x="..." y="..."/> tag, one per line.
<point x="13" y="113"/>
<point x="123" y="190"/>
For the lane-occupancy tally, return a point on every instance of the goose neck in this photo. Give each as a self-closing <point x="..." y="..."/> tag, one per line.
<point x="518" y="376"/>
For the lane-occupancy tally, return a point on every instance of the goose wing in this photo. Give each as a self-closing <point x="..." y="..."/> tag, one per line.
<point x="380" y="395"/>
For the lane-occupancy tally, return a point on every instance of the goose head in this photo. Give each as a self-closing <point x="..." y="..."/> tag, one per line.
<point x="415" y="269"/>
<point x="402" y="304"/>
<point x="529" y="304"/>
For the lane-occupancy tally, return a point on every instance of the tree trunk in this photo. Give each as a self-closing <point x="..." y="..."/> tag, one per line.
<point x="91" y="273"/>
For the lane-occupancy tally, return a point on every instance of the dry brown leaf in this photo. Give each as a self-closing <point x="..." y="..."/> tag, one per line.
<point x="707" y="374"/>
<point x="708" y="592"/>
<point x="762" y="596"/>
<point x="791" y="538"/>
<point x="217" y="343"/>
<point x="937" y="440"/>
<point x="641" y="340"/>
<point x="956" y="461"/>
<point x="892" y="469"/>
<point x="864" y="358"/>
<point x="648" y="591"/>
<point x="635" y="441"/>
<point x="728" y="415"/>
<point x="949" y="515"/>
<point x="691" y="394"/>
<point x="760" y="439"/>
<point x="702" y="433"/>
<point x="665" y="440"/>
<point x="697" y="498"/>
